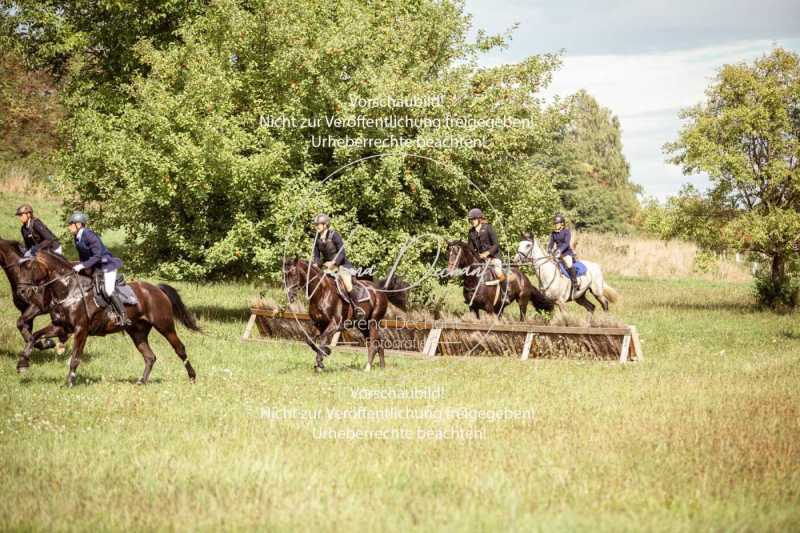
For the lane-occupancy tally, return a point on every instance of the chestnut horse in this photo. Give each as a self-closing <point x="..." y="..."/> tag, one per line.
<point x="480" y="296"/>
<point x="74" y="309"/>
<point x="330" y="313"/>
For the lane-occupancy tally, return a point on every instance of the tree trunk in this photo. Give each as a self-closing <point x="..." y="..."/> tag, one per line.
<point x="778" y="270"/>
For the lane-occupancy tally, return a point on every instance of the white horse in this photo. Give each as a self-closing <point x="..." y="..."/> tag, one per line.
<point x="558" y="287"/>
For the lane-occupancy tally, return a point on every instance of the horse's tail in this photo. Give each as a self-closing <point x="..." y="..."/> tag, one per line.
<point x="179" y="310"/>
<point x="540" y="301"/>
<point x="610" y="293"/>
<point x="395" y="290"/>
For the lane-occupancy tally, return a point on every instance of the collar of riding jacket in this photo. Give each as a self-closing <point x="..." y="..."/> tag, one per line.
<point x="79" y="234"/>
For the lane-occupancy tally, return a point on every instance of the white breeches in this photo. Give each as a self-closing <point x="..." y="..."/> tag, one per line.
<point x="567" y="260"/>
<point x="110" y="281"/>
<point x="497" y="264"/>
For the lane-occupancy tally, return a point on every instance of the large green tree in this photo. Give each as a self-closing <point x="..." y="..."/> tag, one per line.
<point x="746" y="137"/>
<point x="178" y="157"/>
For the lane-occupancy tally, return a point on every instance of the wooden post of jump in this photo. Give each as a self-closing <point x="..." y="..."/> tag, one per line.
<point x="249" y="328"/>
<point x="432" y="342"/>
<point x="526" y="349"/>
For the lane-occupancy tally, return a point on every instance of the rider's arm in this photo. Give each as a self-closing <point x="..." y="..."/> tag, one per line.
<point x="316" y="256"/>
<point x="337" y="240"/>
<point x="45" y="234"/>
<point x="495" y="247"/>
<point x="566" y="237"/>
<point x="93" y="241"/>
<point x="551" y="242"/>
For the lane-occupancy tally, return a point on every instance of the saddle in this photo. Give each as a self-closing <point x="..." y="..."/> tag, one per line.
<point x="126" y="294"/>
<point x="358" y="288"/>
<point x="580" y="269"/>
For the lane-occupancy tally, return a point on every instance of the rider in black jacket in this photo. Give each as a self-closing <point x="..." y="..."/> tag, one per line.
<point x="35" y="234"/>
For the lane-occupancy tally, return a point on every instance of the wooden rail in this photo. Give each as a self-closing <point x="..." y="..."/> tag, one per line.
<point x="448" y="337"/>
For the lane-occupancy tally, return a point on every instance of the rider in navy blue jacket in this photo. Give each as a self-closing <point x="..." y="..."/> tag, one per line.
<point x="94" y="255"/>
<point x="560" y="245"/>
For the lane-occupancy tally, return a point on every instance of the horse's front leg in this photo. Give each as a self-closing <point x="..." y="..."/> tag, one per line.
<point x="79" y="343"/>
<point x="25" y="327"/>
<point x="322" y="348"/>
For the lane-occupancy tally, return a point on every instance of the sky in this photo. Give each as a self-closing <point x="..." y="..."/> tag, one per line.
<point x="644" y="60"/>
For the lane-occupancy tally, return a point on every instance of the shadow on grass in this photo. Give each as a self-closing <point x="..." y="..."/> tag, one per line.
<point x="80" y="379"/>
<point x="44" y="356"/>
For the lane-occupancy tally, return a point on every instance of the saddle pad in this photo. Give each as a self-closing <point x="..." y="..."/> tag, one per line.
<point x="361" y="290"/>
<point x="126" y="296"/>
<point x="580" y="269"/>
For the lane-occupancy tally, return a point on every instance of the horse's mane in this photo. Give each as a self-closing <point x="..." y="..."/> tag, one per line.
<point x="7" y="246"/>
<point x="53" y="260"/>
<point x="466" y="247"/>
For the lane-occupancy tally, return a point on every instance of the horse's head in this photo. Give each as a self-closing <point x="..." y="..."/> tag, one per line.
<point x="10" y="252"/>
<point x="294" y="276"/>
<point x="525" y="249"/>
<point x="457" y="256"/>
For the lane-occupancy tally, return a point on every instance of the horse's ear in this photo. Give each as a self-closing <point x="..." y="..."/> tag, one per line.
<point x="527" y="237"/>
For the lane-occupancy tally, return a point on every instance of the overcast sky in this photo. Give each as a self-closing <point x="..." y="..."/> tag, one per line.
<point x="643" y="60"/>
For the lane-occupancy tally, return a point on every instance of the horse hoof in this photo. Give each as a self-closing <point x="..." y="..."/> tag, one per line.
<point x="367" y="368"/>
<point x="61" y="348"/>
<point x="139" y="382"/>
<point x="22" y="369"/>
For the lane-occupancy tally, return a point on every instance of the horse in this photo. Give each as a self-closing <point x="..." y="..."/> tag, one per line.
<point x="30" y="302"/>
<point x="558" y="287"/>
<point x="75" y="311"/>
<point x="330" y="313"/>
<point x="479" y="295"/>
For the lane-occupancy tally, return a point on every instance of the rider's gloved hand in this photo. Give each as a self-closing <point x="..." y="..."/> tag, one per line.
<point x="78" y="267"/>
<point x="28" y="253"/>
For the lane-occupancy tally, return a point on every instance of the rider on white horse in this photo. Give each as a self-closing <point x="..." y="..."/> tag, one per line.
<point x="560" y="247"/>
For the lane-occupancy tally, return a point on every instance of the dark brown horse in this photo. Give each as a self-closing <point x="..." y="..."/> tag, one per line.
<point x="30" y="301"/>
<point x="74" y="309"/>
<point x="330" y="313"/>
<point x="480" y="296"/>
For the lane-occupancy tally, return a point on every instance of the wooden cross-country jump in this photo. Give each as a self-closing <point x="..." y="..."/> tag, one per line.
<point x="456" y="338"/>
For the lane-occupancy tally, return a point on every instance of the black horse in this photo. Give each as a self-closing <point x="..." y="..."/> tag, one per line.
<point x="30" y="301"/>
<point x="482" y="292"/>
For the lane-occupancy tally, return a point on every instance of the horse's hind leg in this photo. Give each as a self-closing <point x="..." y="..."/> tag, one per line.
<point x="524" y="298"/>
<point x="171" y="335"/>
<point x="585" y="303"/>
<point x="139" y="336"/>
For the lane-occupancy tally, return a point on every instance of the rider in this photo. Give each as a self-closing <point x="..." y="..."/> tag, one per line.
<point x="94" y="254"/>
<point x="329" y="254"/>
<point x="35" y="234"/>
<point x="560" y="247"/>
<point x="483" y="241"/>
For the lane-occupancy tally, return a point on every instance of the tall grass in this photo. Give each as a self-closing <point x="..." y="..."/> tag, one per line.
<point x="645" y="257"/>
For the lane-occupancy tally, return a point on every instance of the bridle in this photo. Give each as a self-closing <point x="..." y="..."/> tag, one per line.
<point x="537" y="262"/>
<point x="35" y="288"/>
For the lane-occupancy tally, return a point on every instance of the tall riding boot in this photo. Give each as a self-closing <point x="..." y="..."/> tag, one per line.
<point x="119" y="310"/>
<point x="358" y="313"/>
<point x="573" y="277"/>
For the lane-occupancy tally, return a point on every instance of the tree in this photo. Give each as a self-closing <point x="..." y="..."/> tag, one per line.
<point x="182" y="164"/>
<point x="746" y="137"/>
<point x="594" y="184"/>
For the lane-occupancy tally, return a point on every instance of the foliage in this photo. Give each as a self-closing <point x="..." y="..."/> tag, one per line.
<point x="594" y="184"/>
<point x="177" y="157"/>
<point x="746" y="137"/>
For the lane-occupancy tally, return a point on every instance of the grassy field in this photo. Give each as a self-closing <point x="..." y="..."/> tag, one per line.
<point x="704" y="435"/>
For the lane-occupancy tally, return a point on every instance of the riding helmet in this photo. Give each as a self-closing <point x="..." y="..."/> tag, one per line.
<point x="24" y="208"/>
<point x="78" y="218"/>
<point x="559" y="218"/>
<point x="475" y="213"/>
<point x="322" y="218"/>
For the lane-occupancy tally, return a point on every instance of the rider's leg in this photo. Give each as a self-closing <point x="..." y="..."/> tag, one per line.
<point x="109" y="286"/>
<point x="573" y="275"/>
<point x="347" y="279"/>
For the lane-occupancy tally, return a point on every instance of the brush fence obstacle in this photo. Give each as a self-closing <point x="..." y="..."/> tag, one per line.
<point x="429" y="338"/>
